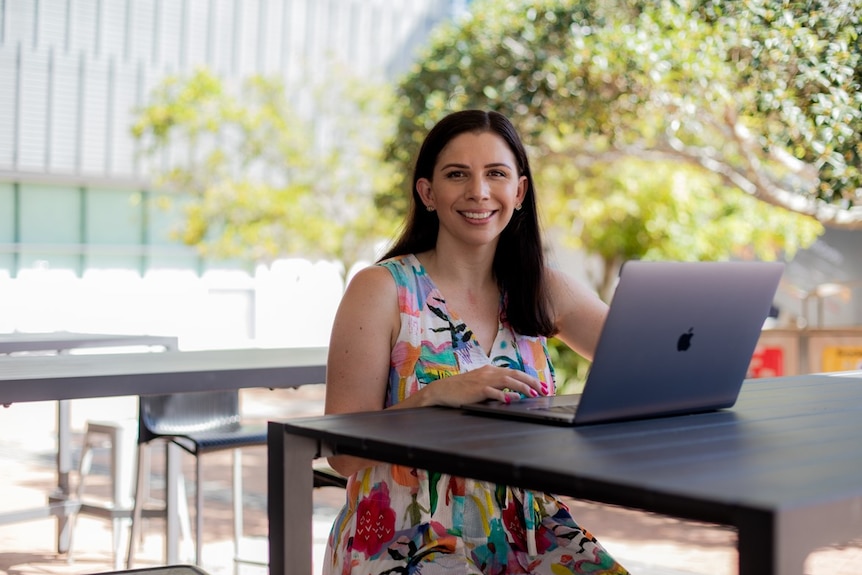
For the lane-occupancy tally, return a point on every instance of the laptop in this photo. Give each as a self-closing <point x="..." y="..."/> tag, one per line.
<point x="678" y="339"/>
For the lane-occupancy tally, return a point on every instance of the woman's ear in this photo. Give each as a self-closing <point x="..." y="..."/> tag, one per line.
<point x="423" y="188"/>
<point x="522" y="190"/>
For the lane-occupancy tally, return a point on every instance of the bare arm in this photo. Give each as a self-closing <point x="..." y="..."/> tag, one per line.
<point x="365" y="330"/>
<point x="579" y="313"/>
<point x="357" y="368"/>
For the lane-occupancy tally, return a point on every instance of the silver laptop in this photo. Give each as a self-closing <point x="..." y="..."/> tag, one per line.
<point x="678" y="339"/>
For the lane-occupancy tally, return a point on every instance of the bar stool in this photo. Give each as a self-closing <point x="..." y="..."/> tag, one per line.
<point x="120" y="438"/>
<point x="202" y="423"/>
<point x="199" y="423"/>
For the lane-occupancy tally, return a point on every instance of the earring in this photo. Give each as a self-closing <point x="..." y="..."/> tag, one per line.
<point x="518" y="207"/>
<point x="429" y="208"/>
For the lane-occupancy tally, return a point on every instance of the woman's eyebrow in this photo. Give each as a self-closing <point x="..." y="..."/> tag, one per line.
<point x="465" y="166"/>
<point x="454" y="165"/>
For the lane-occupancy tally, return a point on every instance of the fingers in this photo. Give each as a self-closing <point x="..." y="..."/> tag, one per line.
<point x="491" y="382"/>
<point x="524" y="384"/>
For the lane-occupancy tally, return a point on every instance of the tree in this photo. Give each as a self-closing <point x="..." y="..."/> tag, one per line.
<point x="677" y="110"/>
<point x="255" y="181"/>
<point x="680" y="129"/>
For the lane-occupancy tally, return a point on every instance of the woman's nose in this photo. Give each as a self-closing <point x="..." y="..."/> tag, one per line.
<point x="478" y="189"/>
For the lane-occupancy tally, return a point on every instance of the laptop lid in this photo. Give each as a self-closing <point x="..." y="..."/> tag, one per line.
<point x="678" y="339"/>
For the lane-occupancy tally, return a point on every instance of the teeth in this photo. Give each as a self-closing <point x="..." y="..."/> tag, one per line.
<point x="477" y="215"/>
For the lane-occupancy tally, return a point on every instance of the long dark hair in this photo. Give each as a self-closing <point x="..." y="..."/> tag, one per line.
<point x="519" y="261"/>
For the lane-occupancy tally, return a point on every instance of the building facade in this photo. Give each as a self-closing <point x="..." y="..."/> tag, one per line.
<point x="73" y="192"/>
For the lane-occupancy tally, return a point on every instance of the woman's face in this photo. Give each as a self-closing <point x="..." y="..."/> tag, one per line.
<point x="474" y="188"/>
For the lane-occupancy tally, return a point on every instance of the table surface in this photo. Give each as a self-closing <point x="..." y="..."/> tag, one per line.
<point x="785" y="461"/>
<point x="41" y="378"/>
<point x="17" y="342"/>
<point x="64" y="377"/>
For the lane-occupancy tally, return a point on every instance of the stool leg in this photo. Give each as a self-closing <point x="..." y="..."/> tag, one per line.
<point x="84" y="466"/>
<point x="140" y="488"/>
<point x="237" y="507"/>
<point x="123" y="446"/>
<point x="141" y="496"/>
<point x="199" y="506"/>
<point x="145" y="459"/>
<point x="183" y="513"/>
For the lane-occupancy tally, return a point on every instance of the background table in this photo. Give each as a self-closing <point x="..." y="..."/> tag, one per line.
<point x="61" y="377"/>
<point x="43" y="378"/>
<point x="62" y="342"/>
<point x="783" y="467"/>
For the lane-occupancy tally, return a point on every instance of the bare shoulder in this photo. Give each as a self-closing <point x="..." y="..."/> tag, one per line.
<point x="373" y="280"/>
<point x="365" y="327"/>
<point x="369" y="304"/>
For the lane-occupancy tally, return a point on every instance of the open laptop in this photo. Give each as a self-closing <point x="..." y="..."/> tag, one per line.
<point x="678" y="339"/>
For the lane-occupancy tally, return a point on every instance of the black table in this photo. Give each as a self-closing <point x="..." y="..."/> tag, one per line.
<point x="63" y="377"/>
<point x="783" y="467"/>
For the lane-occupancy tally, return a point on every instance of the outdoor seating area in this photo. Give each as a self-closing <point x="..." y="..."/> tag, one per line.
<point x="294" y="287"/>
<point x="27" y="452"/>
<point x="43" y="363"/>
<point x="674" y="547"/>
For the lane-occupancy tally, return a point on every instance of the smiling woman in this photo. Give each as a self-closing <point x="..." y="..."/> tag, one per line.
<point x="477" y="186"/>
<point x="457" y="312"/>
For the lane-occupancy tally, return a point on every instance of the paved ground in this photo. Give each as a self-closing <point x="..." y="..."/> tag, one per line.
<point x="647" y="544"/>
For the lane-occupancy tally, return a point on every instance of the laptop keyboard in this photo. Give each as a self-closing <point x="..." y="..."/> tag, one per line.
<point x="563" y="408"/>
<point x="564" y="404"/>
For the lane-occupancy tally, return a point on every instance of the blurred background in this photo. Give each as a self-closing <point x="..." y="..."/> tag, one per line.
<point x="216" y="169"/>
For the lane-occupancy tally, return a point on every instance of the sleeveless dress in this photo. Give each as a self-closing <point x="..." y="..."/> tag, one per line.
<point x="401" y="520"/>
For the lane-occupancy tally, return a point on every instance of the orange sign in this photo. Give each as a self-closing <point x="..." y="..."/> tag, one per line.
<point x="842" y="358"/>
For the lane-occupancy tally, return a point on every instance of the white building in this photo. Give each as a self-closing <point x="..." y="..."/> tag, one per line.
<point x="77" y="215"/>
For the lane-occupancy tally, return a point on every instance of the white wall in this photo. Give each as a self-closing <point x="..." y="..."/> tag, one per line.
<point x="289" y="303"/>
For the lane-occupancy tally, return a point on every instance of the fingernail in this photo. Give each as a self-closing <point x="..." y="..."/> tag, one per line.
<point x="508" y="399"/>
<point x="533" y="392"/>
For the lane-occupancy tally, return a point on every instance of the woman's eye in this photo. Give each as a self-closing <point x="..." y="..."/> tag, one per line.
<point x="497" y="174"/>
<point x="455" y="174"/>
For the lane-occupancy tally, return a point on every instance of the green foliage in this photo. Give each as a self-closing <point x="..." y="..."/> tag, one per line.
<point x="255" y="181"/>
<point x="570" y="369"/>
<point x="763" y="94"/>
<point x="678" y="129"/>
<point x="635" y="209"/>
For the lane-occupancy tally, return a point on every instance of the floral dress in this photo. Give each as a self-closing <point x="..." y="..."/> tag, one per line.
<point x="401" y="520"/>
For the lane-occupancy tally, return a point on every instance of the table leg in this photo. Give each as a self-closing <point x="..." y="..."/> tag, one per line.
<point x="289" y="496"/>
<point x="756" y="544"/>
<point x="64" y="468"/>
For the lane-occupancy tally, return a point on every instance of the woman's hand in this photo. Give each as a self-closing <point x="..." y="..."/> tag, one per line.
<point x="487" y="382"/>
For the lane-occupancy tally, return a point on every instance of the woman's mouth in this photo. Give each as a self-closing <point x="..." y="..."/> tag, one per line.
<point x="477" y="216"/>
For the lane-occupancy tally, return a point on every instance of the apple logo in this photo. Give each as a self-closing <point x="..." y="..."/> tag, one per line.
<point x="684" y="341"/>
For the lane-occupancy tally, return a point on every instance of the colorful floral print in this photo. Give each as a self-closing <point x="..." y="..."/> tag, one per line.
<point x="400" y="520"/>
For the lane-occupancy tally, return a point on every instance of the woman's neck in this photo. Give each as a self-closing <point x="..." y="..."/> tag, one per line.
<point x="460" y="267"/>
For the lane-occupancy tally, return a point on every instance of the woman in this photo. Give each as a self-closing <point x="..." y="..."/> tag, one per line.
<point x="457" y="312"/>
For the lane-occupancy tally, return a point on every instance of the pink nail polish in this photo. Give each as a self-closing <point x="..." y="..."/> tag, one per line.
<point x="534" y="393"/>
<point x="508" y="399"/>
